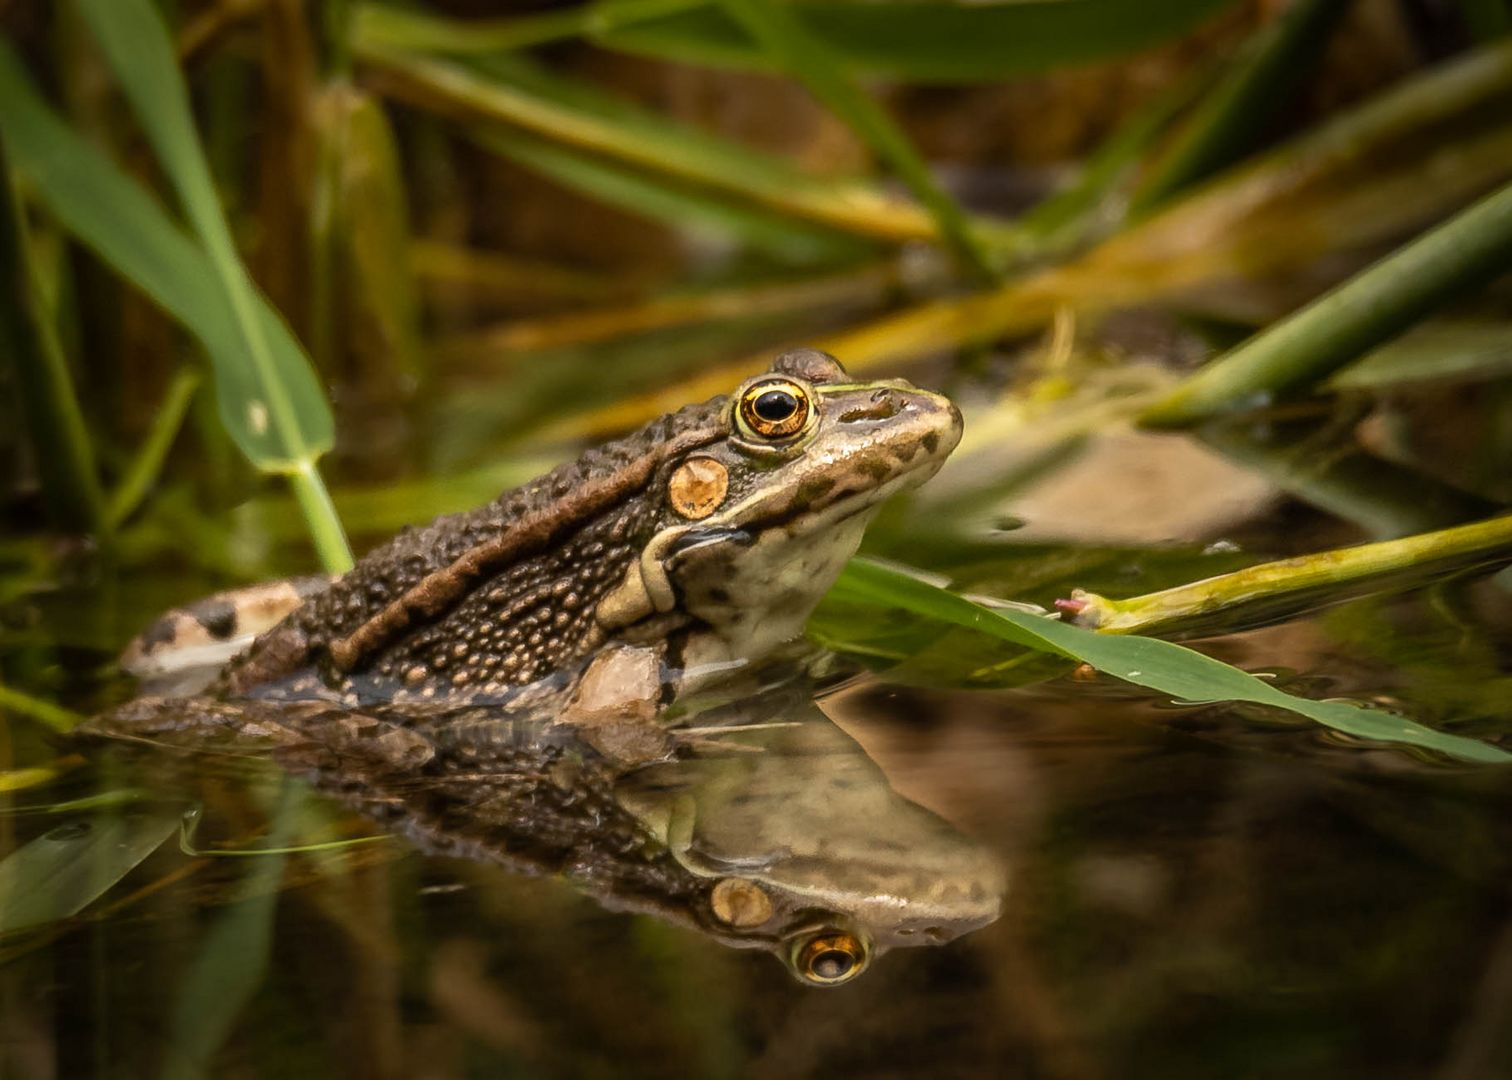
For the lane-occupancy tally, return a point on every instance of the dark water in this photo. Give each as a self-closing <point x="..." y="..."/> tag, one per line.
<point x="1185" y="892"/>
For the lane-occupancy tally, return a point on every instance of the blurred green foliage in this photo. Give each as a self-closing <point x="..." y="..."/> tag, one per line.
<point x="457" y="367"/>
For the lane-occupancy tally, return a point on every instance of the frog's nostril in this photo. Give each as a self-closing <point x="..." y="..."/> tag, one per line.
<point x="883" y="406"/>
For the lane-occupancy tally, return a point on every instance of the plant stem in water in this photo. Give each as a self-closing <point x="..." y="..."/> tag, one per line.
<point x="1457" y="548"/>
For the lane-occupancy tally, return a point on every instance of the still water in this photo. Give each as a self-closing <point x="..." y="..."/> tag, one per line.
<point x="1070" y="880"/>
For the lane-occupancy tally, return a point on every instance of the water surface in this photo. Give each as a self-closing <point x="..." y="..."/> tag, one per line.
<point x="1185" y="891"/>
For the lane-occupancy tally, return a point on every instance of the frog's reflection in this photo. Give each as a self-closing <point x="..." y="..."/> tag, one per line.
<point x="768" y="827"/>
<point x="803" y="845"/>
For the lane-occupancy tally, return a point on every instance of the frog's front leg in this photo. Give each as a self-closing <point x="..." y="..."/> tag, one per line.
<point x="616" y="703"/>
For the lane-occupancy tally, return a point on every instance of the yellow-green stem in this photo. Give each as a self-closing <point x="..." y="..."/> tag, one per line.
<point x="1372" y="307"/>
<point x="320" y="515"/>
<point x="1465" y="545"/>
<point x="148" y="462"/>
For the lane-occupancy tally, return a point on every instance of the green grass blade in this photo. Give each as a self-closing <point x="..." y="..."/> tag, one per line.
<point x="926" y="40"/>
<point x="321" y="519"/>
<point x="519" y="98"/>
<point x="1163" y="666"/>
<point x="811" y="61"/>
<point x="137" y="45"/>
<point x="1444" y="350"/>
<point x="1238" y="110"/>
<point x="101" y="800"/>
<point x="1414" y="153"/>
<point x="863" y="285"/>
<point x="1092" y="202"/>
<point x="114" y="216"/>
<point x="61" y="872"/>
<point x="682" y="208"/>
<point x="147" y="464"/>
<point x="54" y="716"/>
<point x="384" y="25"/>
<point x="278" y="404"/>
<point x="28" y="337"/>
<point x="370" y="216"/>
<point x="1374" y="306"/>
<point x="12" y="780"/>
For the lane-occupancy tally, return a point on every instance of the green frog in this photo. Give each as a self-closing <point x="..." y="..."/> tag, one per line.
<point x="651" y="566"/>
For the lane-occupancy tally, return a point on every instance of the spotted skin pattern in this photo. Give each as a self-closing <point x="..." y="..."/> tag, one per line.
<point x="522" y="595"/>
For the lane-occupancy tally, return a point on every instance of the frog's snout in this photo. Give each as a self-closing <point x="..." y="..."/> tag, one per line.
<point x="901" y="411"/>
<point x="937" y="420"/>
<point x="952" y="419"/>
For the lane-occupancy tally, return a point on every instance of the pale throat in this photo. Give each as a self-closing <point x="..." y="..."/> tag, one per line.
<point x="758" y="598"/>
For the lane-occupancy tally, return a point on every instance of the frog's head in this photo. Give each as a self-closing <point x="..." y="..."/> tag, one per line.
<point x="810" y="447"/>
<point x="755" y="525"/>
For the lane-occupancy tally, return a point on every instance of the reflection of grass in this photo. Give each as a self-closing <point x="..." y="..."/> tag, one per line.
<point x="45" y="712"/>
<point x="61" y="872"/>
<point x="235" y="952"/>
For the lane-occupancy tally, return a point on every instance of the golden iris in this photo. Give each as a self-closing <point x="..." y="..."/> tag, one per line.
<point x="829" y="958"/>
<point x="774" y="409"/>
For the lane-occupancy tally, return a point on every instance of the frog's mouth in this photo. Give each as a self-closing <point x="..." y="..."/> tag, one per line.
<point x="671" y="552"/>
<point x="832" y="509"/>
<point x="831" y="512"/>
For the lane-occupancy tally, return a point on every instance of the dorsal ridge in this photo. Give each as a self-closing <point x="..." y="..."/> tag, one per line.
<point x="531" y="533"/>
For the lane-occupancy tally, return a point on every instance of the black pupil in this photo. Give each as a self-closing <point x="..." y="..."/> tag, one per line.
<point x="775" y="406"/>
<point x="832" y="964"/>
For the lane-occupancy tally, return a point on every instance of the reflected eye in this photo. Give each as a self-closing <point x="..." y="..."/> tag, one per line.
<point x="773" y="409"/>
<point x="829" y="958"/>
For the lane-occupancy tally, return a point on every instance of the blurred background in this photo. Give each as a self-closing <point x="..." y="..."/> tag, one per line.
<point x="480" y="236"/>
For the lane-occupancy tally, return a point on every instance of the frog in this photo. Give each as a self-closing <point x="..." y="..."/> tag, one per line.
<point x="653" y="566"/>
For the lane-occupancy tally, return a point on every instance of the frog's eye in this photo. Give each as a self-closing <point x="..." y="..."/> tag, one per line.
<point x="773" y="409"/>
<point x="829" y="957"/>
